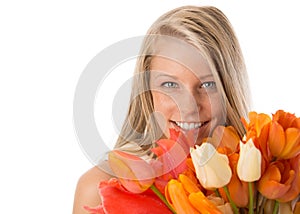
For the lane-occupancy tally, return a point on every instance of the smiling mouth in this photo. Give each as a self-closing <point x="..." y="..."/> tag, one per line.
<point x="189" y="125"/>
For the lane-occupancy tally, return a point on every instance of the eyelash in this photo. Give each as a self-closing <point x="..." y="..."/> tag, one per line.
<point x="170" y="85"/>
<point x="210" y="84"/>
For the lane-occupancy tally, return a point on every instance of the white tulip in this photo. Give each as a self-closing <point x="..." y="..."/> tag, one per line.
<point x="249" y="163"/>
<point x="212" y="168"/>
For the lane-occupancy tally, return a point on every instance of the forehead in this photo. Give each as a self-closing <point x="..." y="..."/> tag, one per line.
<point x="172" y="67"/>
<point x="175" y="54"/>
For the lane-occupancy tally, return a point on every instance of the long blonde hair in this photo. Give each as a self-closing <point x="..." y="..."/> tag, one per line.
<point x="209" y="30"/>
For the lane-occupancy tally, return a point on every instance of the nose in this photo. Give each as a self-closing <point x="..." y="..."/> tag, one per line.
<point x="189" y="104"/>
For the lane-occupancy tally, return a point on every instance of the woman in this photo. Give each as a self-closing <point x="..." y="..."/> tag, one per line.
<point x="190" y="76"/>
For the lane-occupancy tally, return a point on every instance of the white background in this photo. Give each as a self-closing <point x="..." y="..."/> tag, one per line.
<point x="44" y="47"/>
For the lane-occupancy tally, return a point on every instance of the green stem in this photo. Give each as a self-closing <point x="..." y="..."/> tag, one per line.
<point x="235" y="209"/>
<point x="250" y="198"/>
<point x="276" y="207"/>
<point x="217" y="193"/>
<point x="162" y="197"/>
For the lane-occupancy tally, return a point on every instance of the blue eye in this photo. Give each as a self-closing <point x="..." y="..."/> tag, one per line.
<point x="170" y="85"/>
<point x="210" y="84"/>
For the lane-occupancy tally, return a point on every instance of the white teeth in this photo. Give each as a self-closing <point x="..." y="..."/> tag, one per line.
<point x="188" y="126"/>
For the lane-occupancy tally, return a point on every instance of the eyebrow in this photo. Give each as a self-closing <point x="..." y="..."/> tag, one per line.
<point x="206" y="76"/>
<point x="174" y="77"/>
<point x="165" y="75"/>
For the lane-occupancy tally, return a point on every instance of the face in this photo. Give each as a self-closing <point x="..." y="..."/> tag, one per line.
<point x="185" y="98"/>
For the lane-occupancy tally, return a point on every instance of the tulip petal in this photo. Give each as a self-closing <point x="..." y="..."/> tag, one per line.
<point x="135" y="174"/>
<point x="260" y="121"/>
<point x="238" y="189"/>
<point x="292" y="147"/>
<point x="225" y="137"/>
<point x="273" y="189"/>
<point x="176" y="196"/>
<point x="270" y="184"/>
<point x="172" y="157"/>
<point x="202" y="204"/>
<point x="255" y="124"/>
<point x="296" y="123"/>
<point x="212" y="168"/>
<point x="285" y="119"/>
<point x="276" y="139"/>
<point x="117" y="200"/>
<point x="294" y="179"/>
<point x="188" y="184"/>
<point x="249" y="163"/>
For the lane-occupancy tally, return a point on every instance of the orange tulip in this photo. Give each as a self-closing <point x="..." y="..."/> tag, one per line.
<point x="238" y="189"/>
<point x="202" y="204"/>
<point x="285" y="119"/>
<point x="279" y="137"/>
<point x="276" y="138"/>
<point x="292" y="144"/>
<point x="255" y="124"/>
<point x="262" y="143"/>
<point x="294" y="191"/>
<point x="281" y="180"/>
<point x="189" y="185"/>
<point x="284" y="135"/>
<point x="135" y="174"/>
<point x="296" y="123"/>
<point x="186" y="197"/>
<point x="225" y="137"/>
<point x="176" y="196"/>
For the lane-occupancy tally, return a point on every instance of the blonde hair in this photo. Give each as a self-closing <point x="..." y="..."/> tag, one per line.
<point x="209" y="31"/>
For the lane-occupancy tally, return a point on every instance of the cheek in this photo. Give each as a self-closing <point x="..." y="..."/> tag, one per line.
<point x="163" y="103"/>
<point x="217" y="110"/>
<point x="164" y="109"/>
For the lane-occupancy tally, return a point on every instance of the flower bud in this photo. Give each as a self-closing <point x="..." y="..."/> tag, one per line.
<point x="249" y="163"/>
<point x="212" y="168"/>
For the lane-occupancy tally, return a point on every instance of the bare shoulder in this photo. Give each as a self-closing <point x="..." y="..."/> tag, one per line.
<point x="87" y="190"/>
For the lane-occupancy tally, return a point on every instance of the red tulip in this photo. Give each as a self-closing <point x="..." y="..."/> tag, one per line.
<point x="135" y="174"/>
<point x="171" y="155"/>
<point x="115" y="199"/>
<point x="171" y="158"/>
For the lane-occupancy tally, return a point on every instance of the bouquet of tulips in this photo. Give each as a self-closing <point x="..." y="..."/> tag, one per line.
<point x="225" y="174"/>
